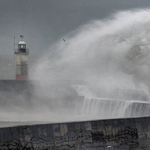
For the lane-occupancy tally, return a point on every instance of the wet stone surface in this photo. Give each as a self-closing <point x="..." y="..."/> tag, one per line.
<point x="124" y="134"/>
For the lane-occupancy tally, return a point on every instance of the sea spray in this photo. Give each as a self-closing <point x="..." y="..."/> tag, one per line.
<point x="110" y="56"/>
<point x="111" y="53"/>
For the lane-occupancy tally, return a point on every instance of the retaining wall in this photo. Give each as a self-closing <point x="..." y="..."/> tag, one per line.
<point x="115" y="134"/>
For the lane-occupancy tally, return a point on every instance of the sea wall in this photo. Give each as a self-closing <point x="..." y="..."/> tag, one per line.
<point x="114" y="134"/>
<point x="111" y="134"/>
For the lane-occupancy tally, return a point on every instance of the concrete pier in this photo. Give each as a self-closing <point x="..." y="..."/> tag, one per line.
<point x="110" y="134"/>
<point x="113" y="134"/>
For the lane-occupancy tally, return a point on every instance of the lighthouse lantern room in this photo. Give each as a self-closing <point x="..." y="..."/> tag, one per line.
<point x="21" y="55"/>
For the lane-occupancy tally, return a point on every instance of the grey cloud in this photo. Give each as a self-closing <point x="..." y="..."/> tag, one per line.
<point x="44" y="22"/>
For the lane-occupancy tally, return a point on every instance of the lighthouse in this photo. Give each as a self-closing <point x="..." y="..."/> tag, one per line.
<point x="21" y="57"/>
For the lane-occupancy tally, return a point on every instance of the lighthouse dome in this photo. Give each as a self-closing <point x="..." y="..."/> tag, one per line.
<point x="21" y="42"/>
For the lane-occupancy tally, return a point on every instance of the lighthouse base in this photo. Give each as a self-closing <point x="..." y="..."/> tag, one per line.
<point x="21" y="77"/>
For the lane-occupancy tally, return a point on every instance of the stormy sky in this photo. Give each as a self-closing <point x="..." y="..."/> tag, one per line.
<point x="44" y="22"/>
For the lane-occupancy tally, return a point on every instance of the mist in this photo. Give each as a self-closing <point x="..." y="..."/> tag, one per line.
<point x="107" y="63"/>
<point x="111" y="56"/>
<point x="110" y="53"/>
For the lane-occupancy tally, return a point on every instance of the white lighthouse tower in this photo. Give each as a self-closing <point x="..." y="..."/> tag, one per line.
<point x="21" y="54"/>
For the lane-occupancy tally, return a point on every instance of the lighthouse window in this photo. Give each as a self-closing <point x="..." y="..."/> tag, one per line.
<point x="23" y="46"/>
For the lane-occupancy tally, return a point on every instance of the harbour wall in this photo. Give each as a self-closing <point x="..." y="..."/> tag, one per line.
<point x="110" y="134"/>
<point x="113" y="134"/>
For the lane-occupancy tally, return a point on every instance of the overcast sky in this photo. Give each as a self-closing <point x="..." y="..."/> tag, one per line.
<point x="43" y="22"/>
